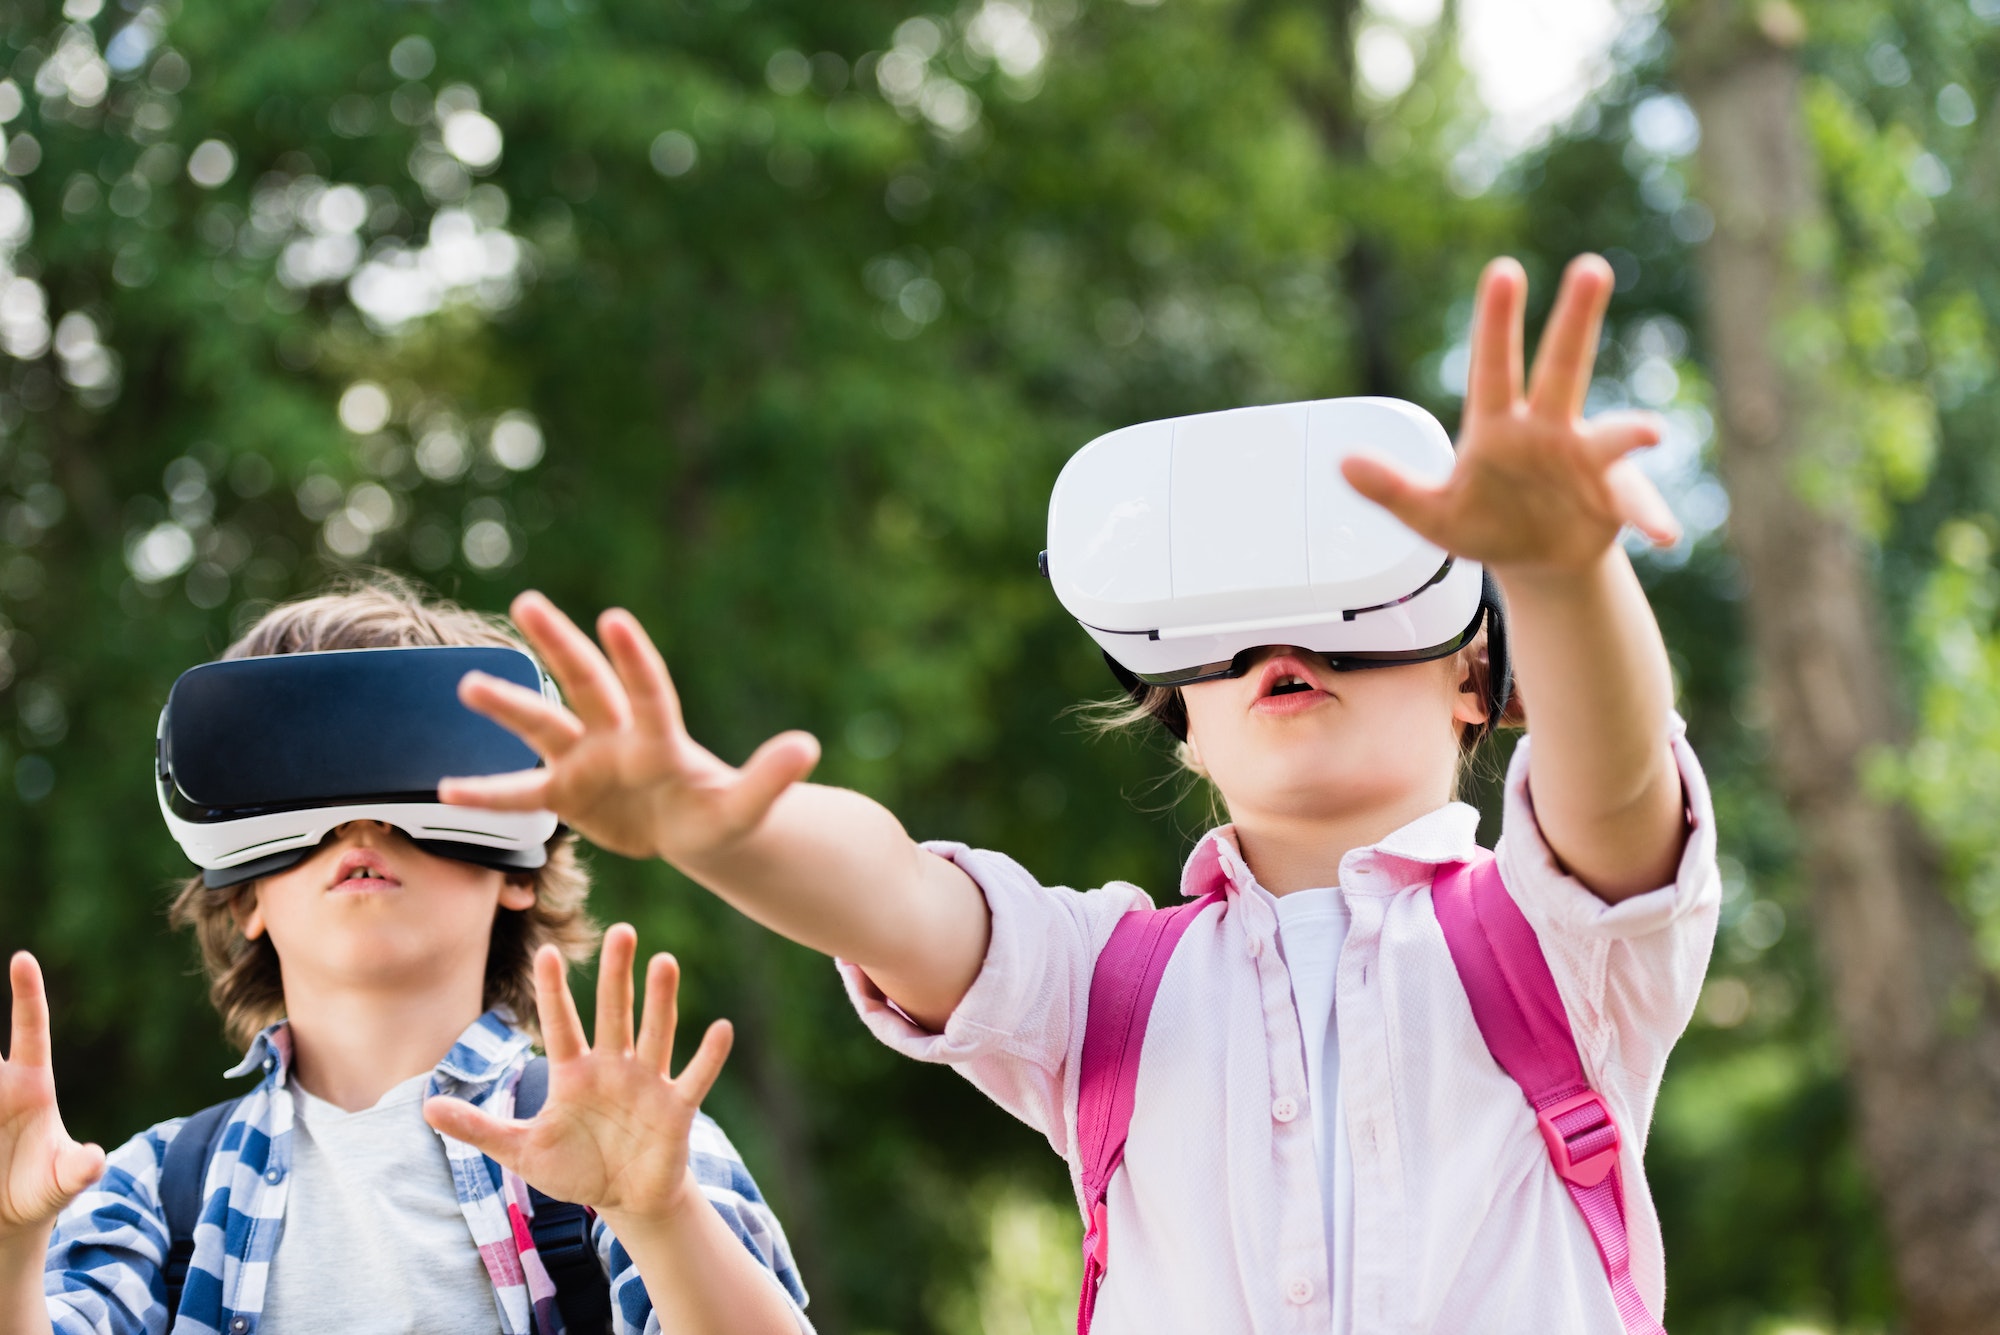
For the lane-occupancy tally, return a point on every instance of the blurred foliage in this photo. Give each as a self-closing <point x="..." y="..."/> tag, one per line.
<point x="773" y="321"/>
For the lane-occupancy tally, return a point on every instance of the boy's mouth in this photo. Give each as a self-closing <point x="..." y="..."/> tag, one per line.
<point x="362" y="869"/>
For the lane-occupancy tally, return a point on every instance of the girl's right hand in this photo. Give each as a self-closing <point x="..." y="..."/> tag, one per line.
<point x="621" y="769"/>
<point x="41" y="1168"/>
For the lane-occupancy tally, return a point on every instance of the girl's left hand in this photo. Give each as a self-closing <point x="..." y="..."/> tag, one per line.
<point x="1536" y="487"/>
<point x="614" y="1132"/>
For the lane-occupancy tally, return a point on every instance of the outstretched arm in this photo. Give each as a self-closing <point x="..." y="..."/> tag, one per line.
<point x="1539" y="495"/>
<point x="41" y="1168"/>
<point x="615" y="1134"/>
<point x="827" y="867"/>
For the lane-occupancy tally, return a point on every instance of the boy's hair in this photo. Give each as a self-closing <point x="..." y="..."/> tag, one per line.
<point x="245" y="983"/>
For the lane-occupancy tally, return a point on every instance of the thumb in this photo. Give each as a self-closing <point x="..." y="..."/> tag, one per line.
<point x="1415" y="503"/>
<point x="77" y="1167"/>
<point x="500" y="1141"/>
<point x="773" y="767"/>
<point x="1639" y="503"/>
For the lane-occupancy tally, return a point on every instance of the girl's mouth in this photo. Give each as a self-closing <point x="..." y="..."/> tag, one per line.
<point x="1285" y="685"/>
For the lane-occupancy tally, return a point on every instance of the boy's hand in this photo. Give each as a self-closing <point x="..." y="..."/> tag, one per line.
<point x="1535" y="487"/>
<point x="613" y="1134"/>
<point x="622" y="768"/>
<point x="41" y="1168"/>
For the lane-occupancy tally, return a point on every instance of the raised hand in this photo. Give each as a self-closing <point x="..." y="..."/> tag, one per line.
<point x="613" y="1134"/>
<point x="622" y="768"/>
<point x="1535" y="485"/>
<point x="41" y="1168"/>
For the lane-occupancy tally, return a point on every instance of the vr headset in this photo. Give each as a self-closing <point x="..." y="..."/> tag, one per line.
<point x="258" y="759"/>
<point x="1183" y="546"/>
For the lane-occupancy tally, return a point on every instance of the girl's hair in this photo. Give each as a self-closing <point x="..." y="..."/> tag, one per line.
<point x="245" y="980"/>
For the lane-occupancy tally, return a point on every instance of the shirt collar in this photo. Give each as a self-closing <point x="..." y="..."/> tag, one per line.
<point x="1448" y="834"/>
<point x="487" y="1050"/>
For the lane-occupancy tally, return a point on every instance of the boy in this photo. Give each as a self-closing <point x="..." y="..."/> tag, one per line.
<point x="377" y="979"/>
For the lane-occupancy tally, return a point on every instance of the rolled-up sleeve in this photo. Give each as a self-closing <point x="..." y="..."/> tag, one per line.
<point x="1016" y="1030"/>
<point x="1630" y="973"/>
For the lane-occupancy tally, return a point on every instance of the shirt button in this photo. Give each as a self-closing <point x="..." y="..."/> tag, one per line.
<point x="1256" y="947"/>
<point x="1285" y="1109"/>
<point x="1300" y="1291"/>
<point x="275" y="1176"/>
<point x="240" y="1324"/>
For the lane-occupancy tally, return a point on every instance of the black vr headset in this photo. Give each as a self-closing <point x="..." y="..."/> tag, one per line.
<point x="259" y="759"/>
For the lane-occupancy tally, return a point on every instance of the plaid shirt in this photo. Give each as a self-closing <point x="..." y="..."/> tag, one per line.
<point x="103" y="1275"/>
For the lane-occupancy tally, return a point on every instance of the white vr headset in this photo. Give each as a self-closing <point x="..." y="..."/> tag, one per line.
<point x="257" y="760"/>
<point x="1183" y="545"/>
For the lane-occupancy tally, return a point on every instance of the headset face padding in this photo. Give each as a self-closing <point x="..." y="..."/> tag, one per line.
<point x="1492" y="614"/>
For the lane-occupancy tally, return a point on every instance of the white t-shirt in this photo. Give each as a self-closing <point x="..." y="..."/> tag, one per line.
<point x="1312" y="927"/>
<point x="374" y="1238"/>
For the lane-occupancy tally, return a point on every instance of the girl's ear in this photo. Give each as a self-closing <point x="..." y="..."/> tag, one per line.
<point x="1469" y="666"/>
<point x="518" y="892"/>
<point x="248" y="910"/>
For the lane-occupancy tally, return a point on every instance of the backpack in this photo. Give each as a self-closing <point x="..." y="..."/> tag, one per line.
<point x="1514" y="1000"/>
<point x="561" y="1231"/>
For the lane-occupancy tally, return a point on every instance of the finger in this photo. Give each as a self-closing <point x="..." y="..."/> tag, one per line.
<point x="77" y="1166"/>
<point x="1568" y="349"/>
<point x="614" y="989"/>
<point x="531" y="716"/>
<point x="698" y="1076"/>
<point x="30" y="1045"/>
<point x="649" y="687"/>
<point x="523" y="790"/>
<point x="577" y="664"/>
<point x="1612" y="436"/>
<point x="500" y="1141"/>
<point x="1417" y="504"/>
<point x="773" y="767"/>
<point x="1495" y="379"/>
<point x="562" y="1027"/>
<point x="656" y="1029"/>
<point x="1640" y="504"/>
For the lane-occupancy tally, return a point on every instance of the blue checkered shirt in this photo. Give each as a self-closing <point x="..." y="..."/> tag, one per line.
<point x="104" y="1271"/>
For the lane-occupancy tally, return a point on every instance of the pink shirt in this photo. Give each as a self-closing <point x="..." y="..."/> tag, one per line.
<point x="1460" y="1223"/>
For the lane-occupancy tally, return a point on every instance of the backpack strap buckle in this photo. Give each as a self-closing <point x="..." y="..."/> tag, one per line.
<point x="1582" y="1137"/>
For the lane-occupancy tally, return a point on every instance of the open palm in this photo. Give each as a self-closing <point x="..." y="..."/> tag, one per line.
<point x="620" y="765"/>
<point x="41" y="1168"/>
<point x="614" y="1131"/>
<point x="1535" y="485"/>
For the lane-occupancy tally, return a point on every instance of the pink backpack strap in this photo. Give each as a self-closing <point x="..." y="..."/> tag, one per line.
<point x="1521" y="1016"/>
<point x="1122" y="987"/>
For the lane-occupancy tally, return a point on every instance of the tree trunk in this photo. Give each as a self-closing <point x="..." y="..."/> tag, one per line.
<point x="1916" y="1010"/>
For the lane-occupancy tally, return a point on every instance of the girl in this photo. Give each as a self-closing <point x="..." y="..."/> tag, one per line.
<point x="1321" y="1140"/>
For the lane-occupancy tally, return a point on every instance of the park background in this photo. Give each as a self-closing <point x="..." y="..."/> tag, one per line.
<point x="773" y="320"/>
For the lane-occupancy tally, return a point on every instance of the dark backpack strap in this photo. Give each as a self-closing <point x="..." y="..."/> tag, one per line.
<point x="1123" y="984"/>
<point x="182" y="1176"/>
<point x="561" y="1231"/>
